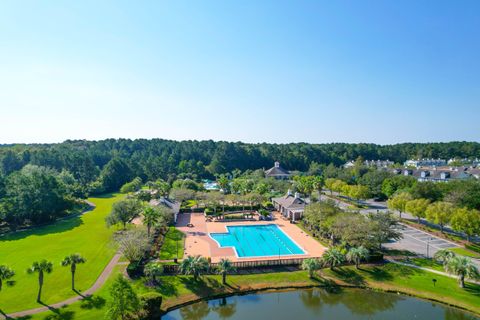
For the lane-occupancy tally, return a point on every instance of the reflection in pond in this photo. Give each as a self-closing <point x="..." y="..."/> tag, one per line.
<point x="224" y="309"/>
<point x="345" y="304"/>
<point x="195" y="311"/>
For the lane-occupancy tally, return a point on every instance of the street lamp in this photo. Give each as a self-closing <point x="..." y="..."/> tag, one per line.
<point x="176" y="245"/>
<point x="428" y="246"/>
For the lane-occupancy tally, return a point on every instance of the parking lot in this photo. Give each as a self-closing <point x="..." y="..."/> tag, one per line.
<point x="419" y="242"/>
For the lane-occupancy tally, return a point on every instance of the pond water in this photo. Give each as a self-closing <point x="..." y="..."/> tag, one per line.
<point x="318" y="304"/>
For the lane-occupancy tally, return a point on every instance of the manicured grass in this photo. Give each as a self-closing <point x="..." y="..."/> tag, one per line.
<point x="465" y="252"/>
<point x="173" y="239"/>
<point x="86" y="234"/>
<point x="425" y="263"/>
<point x="412" y="281"/>
<point x="91" y="308"/>
<point x="390" y="277"/>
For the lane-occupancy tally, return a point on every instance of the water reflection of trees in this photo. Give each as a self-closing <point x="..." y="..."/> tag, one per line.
<point x="195" y="311"/>
<point x="454" y="314"/>
<point x="201" y="310"/>
<point x="224" y="309"/>
<point x="360" y="303"/>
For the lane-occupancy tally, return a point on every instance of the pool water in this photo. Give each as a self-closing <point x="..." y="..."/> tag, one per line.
<point x="257" y="241"/>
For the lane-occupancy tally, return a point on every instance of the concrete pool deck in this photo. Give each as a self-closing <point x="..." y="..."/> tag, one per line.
<point x="198" y="241"/>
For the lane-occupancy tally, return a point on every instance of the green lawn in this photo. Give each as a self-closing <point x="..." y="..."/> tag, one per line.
<point x="86" y="234"/>
<point x="173" y="239"/>
<point x="91" y="308"/>
<point x="465" y="252"/>
<point x="425" y="263"/>
<point x="413" y="281"/>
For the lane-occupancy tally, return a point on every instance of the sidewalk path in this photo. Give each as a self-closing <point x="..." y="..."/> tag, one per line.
<point x="98" y="283"/>
<point x="430" y="270"/>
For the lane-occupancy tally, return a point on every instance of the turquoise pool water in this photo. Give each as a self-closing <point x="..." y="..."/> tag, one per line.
<point x="257" y="241"/>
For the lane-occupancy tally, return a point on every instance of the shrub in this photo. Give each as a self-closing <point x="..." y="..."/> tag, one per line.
<point x="264" y="212"/>
<point x="134" y="269"/>
<point x="151" y="305"/>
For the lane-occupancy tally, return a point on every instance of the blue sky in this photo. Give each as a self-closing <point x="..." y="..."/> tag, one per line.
<point x="254" y="71"/>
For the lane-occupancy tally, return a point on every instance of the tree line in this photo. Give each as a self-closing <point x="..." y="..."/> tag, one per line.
<point x="166" y="159"/>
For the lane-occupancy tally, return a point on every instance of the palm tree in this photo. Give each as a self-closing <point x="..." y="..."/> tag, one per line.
<point x="225" y="266"/>
<point x="152" y="270"/>
<point x="5" y="274"/>
<point x="150" y="218"/>
<point x="356" y="255"/>
<point x="72" y="261"/>
<point x="41" y="267"/>
<point x="311" y="265"/>
<point x="444" y="256"/>
<point x="462" y="267"/>
<point x="333" y="258"/>
<point x="194" y="266"/>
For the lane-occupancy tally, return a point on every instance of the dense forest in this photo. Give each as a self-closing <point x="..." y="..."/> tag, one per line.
<point x="166" y="159"/>
<point x="41" y="182"/>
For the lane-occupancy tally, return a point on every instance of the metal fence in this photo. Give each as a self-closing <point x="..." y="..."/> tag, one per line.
<point x="251" y="264"/>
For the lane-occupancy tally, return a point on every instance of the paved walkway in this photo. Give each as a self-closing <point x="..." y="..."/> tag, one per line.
<point x="98" y="283"/>
<point x="431" y="270"/>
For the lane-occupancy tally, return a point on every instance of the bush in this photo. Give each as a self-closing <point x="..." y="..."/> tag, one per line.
<point x="375" y="257"/>
<point x="264" y="213"/>
<point x="473" y="247"/>
<point x="134" y="269"/>
<point x="151" y="305"/>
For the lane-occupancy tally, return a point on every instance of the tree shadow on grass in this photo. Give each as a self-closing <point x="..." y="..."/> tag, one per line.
<point x="58" y="314"/>
<point x="349" y="276"/>
<point x="6" y="316"/>
<point x="379" y="274"/>
<point x="166" y="288"/>
<point x="105" y="195"/>
<point x="203" y="286"/>
<point x="57" y="227"/>
<point x="472" y="288"/>
<point x="92" y="302"/>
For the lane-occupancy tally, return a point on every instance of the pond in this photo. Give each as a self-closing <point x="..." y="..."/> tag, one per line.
<point x="344" y="304"/>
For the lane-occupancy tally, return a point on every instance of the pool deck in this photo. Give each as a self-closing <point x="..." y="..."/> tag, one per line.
<point x="198" y="241"/>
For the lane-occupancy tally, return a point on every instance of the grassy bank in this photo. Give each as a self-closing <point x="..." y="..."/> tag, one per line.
<point x="86" y="234"/>
<point x="178" y="290"/>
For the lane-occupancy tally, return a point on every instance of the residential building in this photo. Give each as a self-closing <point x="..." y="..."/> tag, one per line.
<point x="425" y="162"/>
<point x="439" y="174"/>
<point x="277" y="172"/>
<point x="371" y="163"/>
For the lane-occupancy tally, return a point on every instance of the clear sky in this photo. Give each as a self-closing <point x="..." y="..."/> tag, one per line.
<point x="254" y="71"/>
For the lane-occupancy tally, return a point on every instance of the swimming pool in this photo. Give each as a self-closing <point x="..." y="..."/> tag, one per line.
<point x="257" y="241"/>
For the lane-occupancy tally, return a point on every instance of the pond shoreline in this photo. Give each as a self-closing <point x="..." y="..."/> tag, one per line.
<point x="293" y="287"/>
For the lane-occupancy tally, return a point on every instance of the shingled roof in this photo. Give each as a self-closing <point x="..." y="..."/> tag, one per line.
<point x="290" y="202"/>
<point x="277" y="170"/>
